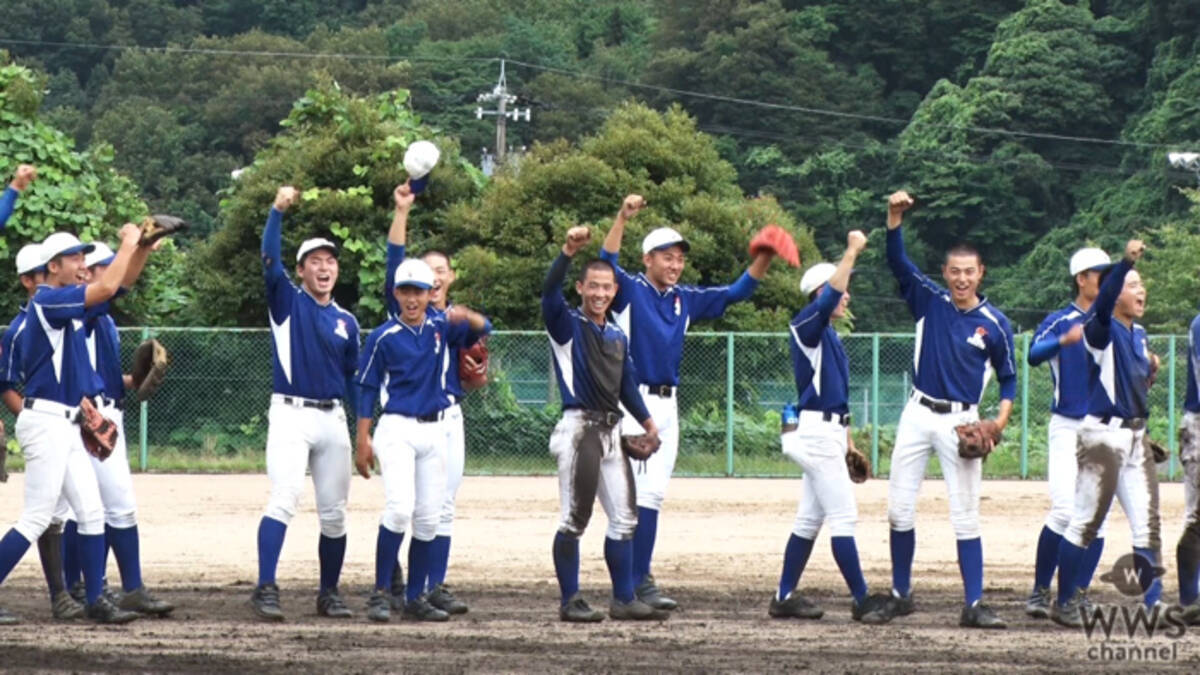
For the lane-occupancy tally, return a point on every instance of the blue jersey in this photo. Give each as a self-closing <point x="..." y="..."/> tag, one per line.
<point x="956" y="351"/>
<point x="655" y="321"/>
<point x="1068" y="365"/>
<point x="8" y="201"/>
<point x="407" y="365"/>
<point x="591" y="361"/>
<point x="104" y="349"/>
<point x="54" y="353"/>
<point x="818" y="359"/>
<point x="395" y="256"/>
<point x="1120" y="368"/>
<point x="1191" y="401"/>
<point x="314" y="346"/>
<point x="11" y="373"/>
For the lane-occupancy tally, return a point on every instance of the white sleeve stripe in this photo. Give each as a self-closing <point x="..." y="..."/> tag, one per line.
<point x="362" y="377"/>
<point x="1065" y="317"/>
<point x="796" y="335"/>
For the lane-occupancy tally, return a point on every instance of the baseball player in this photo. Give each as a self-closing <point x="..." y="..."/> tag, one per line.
<point x="58" y="379"/>
<point x="818" y="440"/>
<point x="1058" y="343"/>
<point x="655" y="311"/>
<point x="595" y="372"/>
<point x="25" y="174"/>
<point x="315" y="349"/>
<point x="1188" y="551"/>
<point x="403" y="360"/>
<point x="1112" y="457"/>
<point x="438" y="594"/>
<point x="961" y="339"/>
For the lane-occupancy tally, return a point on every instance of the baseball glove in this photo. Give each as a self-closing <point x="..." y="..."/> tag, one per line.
<point x="858" y="465"/>
<point x="1157" y="450"/>
<point x="158" y="226"/>
<point x="473" y="377"/>
<point x="775" y="238"/>
<point x="641" y="446"/>
<point x="99" y="433"/>
<point x="978" y="439"/>
<point x="150" y="361"/>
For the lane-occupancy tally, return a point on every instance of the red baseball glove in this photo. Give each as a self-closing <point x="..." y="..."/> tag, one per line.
<point x="775" y="238"/>
<point x="473" y="366"/>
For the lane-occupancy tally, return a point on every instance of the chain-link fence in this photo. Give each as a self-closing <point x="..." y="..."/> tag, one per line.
<point x="211" y="412"/>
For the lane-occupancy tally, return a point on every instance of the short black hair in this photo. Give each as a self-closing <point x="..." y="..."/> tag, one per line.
<point x="596" y="264"/>
<point x="963" y="248"/>
<point x="435" y="251"/>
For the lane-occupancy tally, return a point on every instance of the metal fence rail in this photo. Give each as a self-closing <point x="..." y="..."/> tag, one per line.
<point x="214" y="402"/>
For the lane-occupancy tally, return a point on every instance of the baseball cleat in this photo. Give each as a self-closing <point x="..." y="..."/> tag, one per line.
<point x="397" y="590"/>
<point x="443" y="599"/>
<point x="648" y="593"/>
<point x="265" y="602"/>
<point x="635" y="610"/>
<point x="794" y="606"/>
<point x="105" y="611"/>
<point x="7" y="618"/>
<point x="900" y="605"/>
<point x="578" y="611"/>
<point x="1191" y="613"/>
<point x="421" y="610"/>
<point x="78" y="592"/>
<point x="65" y="608"/>
<point x="330" y="604"/>
<point x="980" y="615"/>
<point x="142" y="602"/>
<point x="1071" y="613"/>
<point x="872" y="610"/>
<point x="379" y="607"/>
<point x="1038" y="604"/>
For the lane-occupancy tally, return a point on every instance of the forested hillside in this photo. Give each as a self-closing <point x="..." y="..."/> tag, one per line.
<point x="1029" y="128"/>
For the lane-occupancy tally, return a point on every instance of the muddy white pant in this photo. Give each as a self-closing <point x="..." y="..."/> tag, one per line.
<point x="456" y="457"/>
<point x="652" y="475"/>
<point x="1062" y="468"/>
<point x="1113" y="461"/>
<point x="921" y="433"/>
<point x="412" y="462"/>
<point x="590" y="465"/>
<point x="1189" y="455"/>
<point x="56" y="465"/>
<point x="301" y="438"/>
<point x="819" y="447"/>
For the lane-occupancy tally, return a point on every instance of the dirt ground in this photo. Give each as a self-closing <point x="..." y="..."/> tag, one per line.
<point x="719" y="552"/>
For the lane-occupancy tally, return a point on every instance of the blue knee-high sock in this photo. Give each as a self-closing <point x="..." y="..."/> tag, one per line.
<point x="1070" y="558"/>
<point x="566" y="564"/>
<point x="387" y="548"/>
<point x="903" y="544"/>
<point x="970" y="565"/>
<point x="1047" y="558"/>
<point x="643" y="542"/>
<point x="795" y="557"/>
<point x="124" y="543"/>
<point x="418" y="568"/>
<point x="618" y="553"/>
<point x="91" y="556"/>
<point x="331" y="551"/>
<point x="72" y="572"/>
<point x="845" y="553"/>
<point x="12" y="548"/>
<point x="439" y="561"/>
<point x="270" y="544"/>
<point x="1153" y="587"/>
<point x="1091" y="560"/>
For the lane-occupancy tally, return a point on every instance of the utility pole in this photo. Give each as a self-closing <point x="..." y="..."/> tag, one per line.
<point x="500" y="95"/>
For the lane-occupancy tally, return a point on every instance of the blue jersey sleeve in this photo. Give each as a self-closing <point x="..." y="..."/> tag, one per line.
<point x="631" y="396"/>
<point x="916" y="288"/>
<point x="8" y="202"/>
<point x="279" y="288"/>
<point x="1045" y="341"/>
<point x="1001" y="355"/>
<point x="710" y="302"/>
<point x="9" y="368"/>
<point x="809" y="323"/>
<point x="555" y="312"/>
<point x="461" y="335"/>
<point x="1096" y="329"/>
<point x="395" y="256"/>
<point x="625" y="281"/>
<point x="61" y="305"/>
<point x="369" y="377"/>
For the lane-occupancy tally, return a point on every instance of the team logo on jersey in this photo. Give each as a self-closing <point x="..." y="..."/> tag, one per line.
<point x="678" y="305"/>
<point x="341" y="331"/>
<point x="976" y="340"/>
<point x="437" y="341"/>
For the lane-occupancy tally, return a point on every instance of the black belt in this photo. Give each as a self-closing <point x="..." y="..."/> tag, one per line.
<point x="1135" y="423"/>
<point x="661" y="390"/>
<point x="327" y="404"/>
<point x="605" y="417"/>
<point x="942" y="407"/>
<point x="432" y="417"/>
<point x="112" y="402"/>
<point x="842" y="419"/>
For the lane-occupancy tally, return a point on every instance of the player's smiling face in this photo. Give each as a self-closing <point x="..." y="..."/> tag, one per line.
<point x="66" y="270"/>
<point x="319" y="272"/>
<point x="597" y="288"/>
<point x="664" y="266"/>
<point x="963" y="274"/>
<point x="840" y="311"/>
<point x="443" y="277"/>
<point x="1131" y="304"/>
<point x="413" y="301"/>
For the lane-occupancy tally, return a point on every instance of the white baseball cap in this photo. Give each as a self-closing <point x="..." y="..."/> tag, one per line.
<point x="816" y="276"/>
<point x="310" y="245"/>
<point x="29" y="259"/>
<point x="419" y="160"/>
<point x="1089" y="259"/>
<point x="664" y="237"/>
<point x="414" y="272"/>
<point x="102" y="255"/>
<point x="63" y="243"/>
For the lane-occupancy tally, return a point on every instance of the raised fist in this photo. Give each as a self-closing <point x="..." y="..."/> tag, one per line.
<point x="130" y="234"/>
<point x="1134" y="249"/>
<point x="631" y="206"/>
<point x="285" y="197"/>
<point x="404" y="196"/>
<point x="457" y="314"/>
<point x="26" y="173"/>
<point x="856" y="241"/>
<point x="577" y="237"/>
<point x="1072" y="336"/>
<point x="898" y="203"/>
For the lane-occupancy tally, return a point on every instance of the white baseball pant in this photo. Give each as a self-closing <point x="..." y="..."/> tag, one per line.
<point x="114" y="477"/>
<point x="56" y="465"/>
<point x="652" y="475"/>
<point x="1062" y="468"/>
<point x="1113" y="461"/>
<point x="591" y="464"/>
<point x="819" y="447"/>
<point x="456" y="458"/>
<point x="308" y="438"/>
<point x="412" y="462"/>
<point x="1189" y="456"/>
